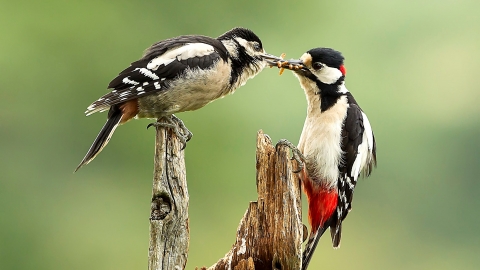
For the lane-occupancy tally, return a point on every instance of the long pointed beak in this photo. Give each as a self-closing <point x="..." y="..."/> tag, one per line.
<point x="295" y="65"/>
<point x="271" y="59"/>
<point x="292" y="64"/>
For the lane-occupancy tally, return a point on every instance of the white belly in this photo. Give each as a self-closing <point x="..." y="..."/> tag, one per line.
<point x="187" y="94"/>
<point x="320" y="141"/>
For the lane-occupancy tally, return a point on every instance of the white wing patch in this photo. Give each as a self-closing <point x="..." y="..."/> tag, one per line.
<point x="360" y="160"/>
<point x="148" y="73"/>
<point x="364" y="150"/>
<point x="126" y="80"/>
<point x="187" y="51"/>
<point x="368" y="131"/>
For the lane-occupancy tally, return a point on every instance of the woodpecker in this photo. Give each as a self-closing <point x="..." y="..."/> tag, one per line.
<point x="337" y="143"/>
<point x="178" y="74"/>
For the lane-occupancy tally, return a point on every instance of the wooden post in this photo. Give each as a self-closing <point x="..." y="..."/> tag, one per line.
<point x="169" y="232"/>
<point x="270" y="233"/>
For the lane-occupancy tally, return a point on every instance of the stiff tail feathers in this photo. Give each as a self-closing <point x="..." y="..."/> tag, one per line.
<point x="310" y="246"/>
<point x="102" y="138"/>
<point x="336" y="233"/>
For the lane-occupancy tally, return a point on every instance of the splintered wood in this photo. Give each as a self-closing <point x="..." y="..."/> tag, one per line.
<point x="270" y="233"/>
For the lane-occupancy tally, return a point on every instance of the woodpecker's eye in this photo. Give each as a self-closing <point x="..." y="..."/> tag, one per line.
<point x="317" y="66"/>
<point x="257" y="47"/>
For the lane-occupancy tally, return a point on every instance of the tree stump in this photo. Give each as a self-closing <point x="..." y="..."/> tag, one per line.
<point x="270" y="233"/>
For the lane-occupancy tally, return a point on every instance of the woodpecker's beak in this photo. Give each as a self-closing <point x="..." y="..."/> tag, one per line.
<point x="295" y="65"/>
<point x="292" y="64"/>
<point x="271" y="59"/>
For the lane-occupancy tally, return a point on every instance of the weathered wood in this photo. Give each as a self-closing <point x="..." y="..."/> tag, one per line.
<point x="270" y="233"/>
<point x="169" y="232"/>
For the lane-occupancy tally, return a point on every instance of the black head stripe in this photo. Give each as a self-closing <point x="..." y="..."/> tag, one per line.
<point x="240" y="62"/>
<point x="244" y="33"/>
<point x="329" y="93"/>
<point x="330" y="57"/>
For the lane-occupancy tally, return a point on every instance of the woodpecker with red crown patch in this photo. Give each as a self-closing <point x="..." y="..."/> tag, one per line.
<point x="179" y="74"/>
<point x="336" y="145"/>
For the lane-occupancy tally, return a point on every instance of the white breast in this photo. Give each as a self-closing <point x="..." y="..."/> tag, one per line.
<point x="320" y="141"/>
<point x="190" y="92"/>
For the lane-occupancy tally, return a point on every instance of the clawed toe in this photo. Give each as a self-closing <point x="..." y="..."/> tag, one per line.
<point x="296" y="154"/>
<point x="177" y="125"/>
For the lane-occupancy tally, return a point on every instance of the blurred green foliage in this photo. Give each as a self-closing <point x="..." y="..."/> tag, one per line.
<point x="412" y="65"/>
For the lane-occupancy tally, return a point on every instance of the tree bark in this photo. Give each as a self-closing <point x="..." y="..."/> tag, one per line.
<point x="271" y="232"/>
<point x="169" y="231"/>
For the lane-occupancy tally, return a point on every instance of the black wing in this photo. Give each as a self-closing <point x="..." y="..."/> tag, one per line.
<point x="356" y="132"/>
<point x="162" y="62"/>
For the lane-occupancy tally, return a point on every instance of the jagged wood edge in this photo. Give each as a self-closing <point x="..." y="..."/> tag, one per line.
<point x="271" y="231"/>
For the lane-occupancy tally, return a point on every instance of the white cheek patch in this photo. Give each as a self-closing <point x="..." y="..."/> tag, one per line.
<point x="247" y="45"/>
<point x="187" y="51"/>
<point x="242" y="42"/>
<point x="328" y="74"/>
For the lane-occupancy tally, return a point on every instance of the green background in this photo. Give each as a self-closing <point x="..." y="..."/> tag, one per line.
<point x="412" y="65"/>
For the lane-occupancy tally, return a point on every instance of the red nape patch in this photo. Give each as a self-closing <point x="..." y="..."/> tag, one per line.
<point x="321" y="203"/>
<point x="343" y="70"/>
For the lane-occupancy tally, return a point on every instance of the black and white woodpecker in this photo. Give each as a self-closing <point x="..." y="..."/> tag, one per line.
<point x="179" y="74"/>
<point x="337" y="143"/>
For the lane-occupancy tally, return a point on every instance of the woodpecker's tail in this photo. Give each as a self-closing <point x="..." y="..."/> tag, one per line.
<point x="310" y="246"/>
<point x="102" y="138"/>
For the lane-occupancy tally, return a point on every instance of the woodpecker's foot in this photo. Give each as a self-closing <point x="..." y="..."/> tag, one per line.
<point x="177" y="125"/>
<point x="185" y="132"/>
<point x="296" y="154"/>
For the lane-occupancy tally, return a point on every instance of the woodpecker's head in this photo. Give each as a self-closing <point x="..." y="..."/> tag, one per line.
<point x="324" y="65"/>
<point x="320" y="71"/>
<point x="243" y="44"/>
<point x="246" y="54"/>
